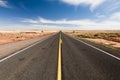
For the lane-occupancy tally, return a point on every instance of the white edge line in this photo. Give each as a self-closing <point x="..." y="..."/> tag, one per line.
<point x="96" y="48"/>
<point x="21" y="50"/>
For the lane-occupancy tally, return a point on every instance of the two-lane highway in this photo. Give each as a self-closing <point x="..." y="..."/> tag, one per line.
<point x="36" y="63"/>
<point x="82" y="62"/>
<point x="60" y="57"/>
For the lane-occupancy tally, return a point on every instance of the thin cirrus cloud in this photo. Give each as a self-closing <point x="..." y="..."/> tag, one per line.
<point x="106" y="12"/>
<point x="4" y="3"/>
<point x="102" y="21"/>
<point x="64" y="21"/>
<point x="111" y="6"/>
<point x="30" y="21"/>
<point x="92" y="3"/>
<point x="113" y="22"/>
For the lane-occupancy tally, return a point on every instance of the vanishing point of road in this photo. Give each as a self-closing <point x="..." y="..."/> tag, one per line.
<point x="61" y="57"/>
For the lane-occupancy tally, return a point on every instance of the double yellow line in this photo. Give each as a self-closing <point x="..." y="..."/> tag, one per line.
<point x="59" y="73"/>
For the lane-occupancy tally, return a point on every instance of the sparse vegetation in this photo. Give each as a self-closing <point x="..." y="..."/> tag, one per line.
<point x="13" y="36"/>
<point x="108" y="38"/>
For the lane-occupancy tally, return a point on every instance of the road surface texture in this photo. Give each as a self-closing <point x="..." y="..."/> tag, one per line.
<point x="9" y="48"/>
<point x="78" y="62"/>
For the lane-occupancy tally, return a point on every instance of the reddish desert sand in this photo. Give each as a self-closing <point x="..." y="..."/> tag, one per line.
<point x="12" y="41"/>
<point x="14" y="36"/>
<point x="107" y="42"/>
<point x="107" y="37"/>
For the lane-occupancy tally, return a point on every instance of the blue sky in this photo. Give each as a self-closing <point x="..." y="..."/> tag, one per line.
<point x="59" y="14"/>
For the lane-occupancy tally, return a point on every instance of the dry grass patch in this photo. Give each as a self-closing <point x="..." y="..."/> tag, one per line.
<point x="14" y="36"/>
<point x="107" y="37"/>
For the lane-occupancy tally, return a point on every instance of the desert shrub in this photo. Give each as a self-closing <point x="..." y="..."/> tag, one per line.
<point x="108" y="36"/>
<point x="83" y="36"/>
<point x="73" y="31"/>
<point x="96" y="35"/>
<point x="17" y="37"/>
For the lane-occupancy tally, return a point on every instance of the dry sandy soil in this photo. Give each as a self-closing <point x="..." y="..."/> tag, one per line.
<point x="12" y="41"/>
<point x="106" y="42"/>
<point x="14" y="36"/>
<point x="107" y="37"/>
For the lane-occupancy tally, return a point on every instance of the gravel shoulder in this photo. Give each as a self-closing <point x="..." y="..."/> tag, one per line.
<point x="10" y="48"/>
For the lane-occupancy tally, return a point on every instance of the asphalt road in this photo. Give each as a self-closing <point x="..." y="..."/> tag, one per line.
<point x="78" y="61"/>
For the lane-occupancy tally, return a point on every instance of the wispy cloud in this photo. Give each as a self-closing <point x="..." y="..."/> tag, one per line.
<point x="4" y="3"/>
<point x="115" y="16"/>
<point x="64" y="21"/>
<point x="105" y="6"/>
<point x="111" y="5"/>
<point x="108" y="7"/>
<point x="112" y="22"/>
<point x="30" y="21"/>
<point x="92" y="3"/>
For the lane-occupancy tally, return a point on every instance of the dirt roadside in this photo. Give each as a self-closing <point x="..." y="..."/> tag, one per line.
<point x="108" y="38"/>
<point x="7" y="49"/>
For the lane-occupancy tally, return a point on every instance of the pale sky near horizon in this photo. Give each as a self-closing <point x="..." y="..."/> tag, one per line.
<point x="60" y="14"/>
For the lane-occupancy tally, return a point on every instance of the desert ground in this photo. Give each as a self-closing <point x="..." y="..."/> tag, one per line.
<point x="14" y="36"/>
<point x="12" y="41"/>
<point x="109" y="38"/>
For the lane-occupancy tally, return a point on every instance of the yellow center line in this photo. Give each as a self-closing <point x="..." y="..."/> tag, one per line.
<point x="59" y="73"/>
